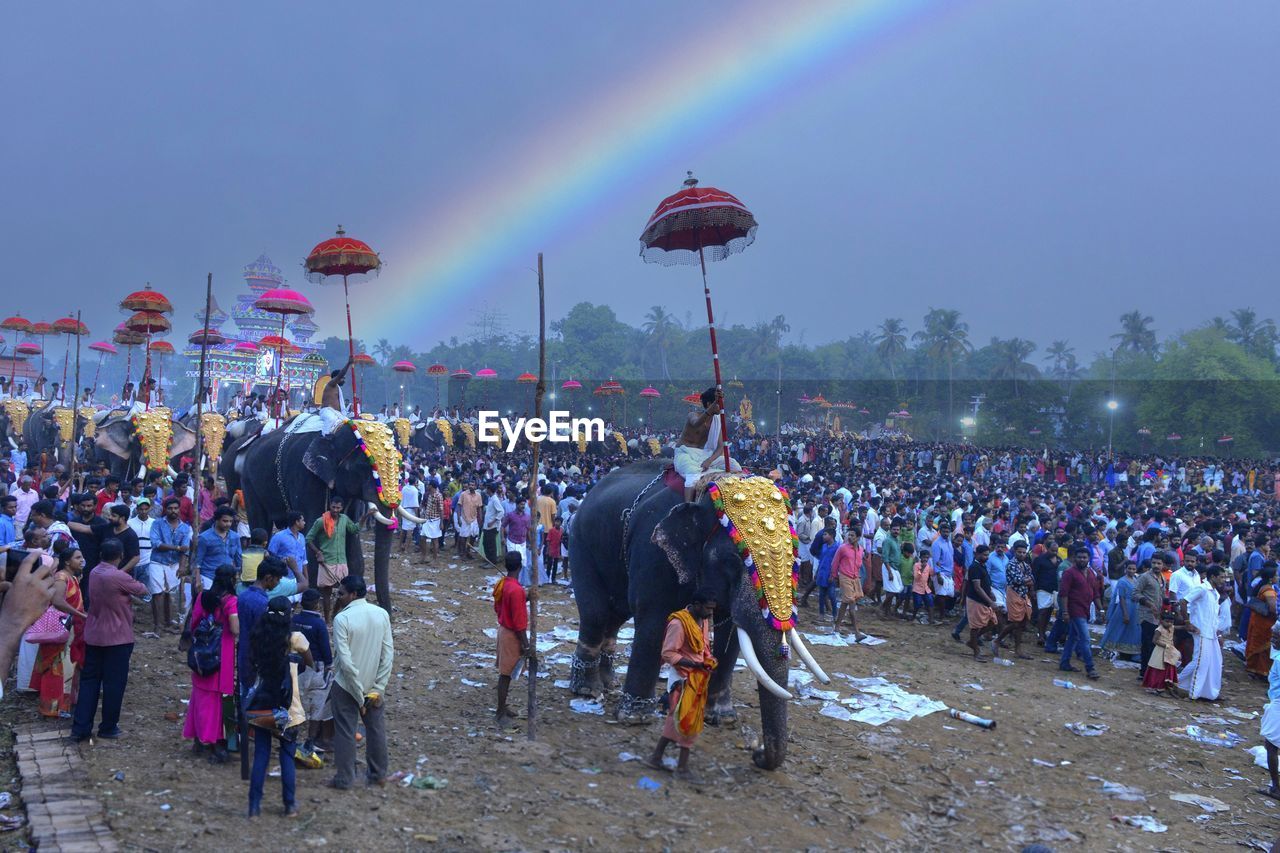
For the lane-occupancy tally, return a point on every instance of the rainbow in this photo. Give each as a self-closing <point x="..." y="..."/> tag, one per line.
<point x="471" y="242"/>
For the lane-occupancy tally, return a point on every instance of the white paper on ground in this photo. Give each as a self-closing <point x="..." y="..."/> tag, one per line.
<point x="587" y="706"/>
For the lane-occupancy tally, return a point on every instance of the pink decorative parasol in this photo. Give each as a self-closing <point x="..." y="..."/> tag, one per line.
<point x="287" y="303"/>
<point x="103" y="349"/>
<point x="435" y="371"/>
<point x="650" y="394"/>
<point x="403" y="367"/>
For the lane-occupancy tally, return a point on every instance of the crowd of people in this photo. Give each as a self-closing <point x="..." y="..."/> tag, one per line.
<point x="1159" y="563"/>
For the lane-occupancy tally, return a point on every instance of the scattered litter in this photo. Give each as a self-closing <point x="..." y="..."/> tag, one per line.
<point x="1233" y="646"/>
<point x="826" y="639"/>
<point x="8" y="823"/>
<point x="644" y="783"/>
<point x="868" y="640"/>
<point x="587" y="706"/>
<point x="491" y="633"/>
<point x="562" y="683"/>
<point x="1042" y="763"/>
<point x="590" y="771"/>
<point x="1226" y="739"/>
<point x="565" y="634"/>
<point x="1145" y="822"/>
<point x="628" y="756"/>
<point x="429" y="783"/>
<point x="1087" y="729"/>
<point x="1259" y="754"/>
<point x="1070" y="685"/>
<point x="470" y="683"/>
<point x="1208" y="804"/>
<point x="1206" y="720"/>
<point x="1116" y="791"/>
<point x="1002" y="661"/>
<point x="808" y="692"/>
<point x="1244" y="715"/>
<point x="119" y="776"/>
<point x="6" y="799"/>
<point x="547" y="645"/>
<point x="1125" y="664"/>
<point x="973" y="685"/>
<point x="837" y="712"/>
<point x="164" y="807"/>
<point x="965" y="717"/>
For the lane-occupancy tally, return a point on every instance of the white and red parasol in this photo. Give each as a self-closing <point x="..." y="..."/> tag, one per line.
<point x="349" y="258"/>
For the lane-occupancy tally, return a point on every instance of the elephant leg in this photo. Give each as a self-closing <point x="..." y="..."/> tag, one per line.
<point x="720" y="690"/>
<point x="609" y="655"/>
<point x="638" y="702"/>
<point x="593" y="626"/>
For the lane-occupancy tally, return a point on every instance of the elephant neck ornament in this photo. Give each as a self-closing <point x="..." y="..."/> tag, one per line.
<point x="90" y="425"/>
<point x="404" y="430"/>
<point x="213" y="430"/>
<point x="374" y="440"/>
<point x="468" y="434"/>
<point x="16" y="411"/>
<point x="755" y="512"/>
<point x="154" y="429"/>
<point x="65" y="418"/>
<point x="446" y="431"/>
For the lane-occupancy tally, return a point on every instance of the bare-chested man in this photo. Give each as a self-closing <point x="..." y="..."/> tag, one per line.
<point x="701" y="446"/>
<point x="332" y="409"/>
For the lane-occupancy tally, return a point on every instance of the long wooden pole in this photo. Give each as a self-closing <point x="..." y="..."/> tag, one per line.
<point x="715" y="358"/>
<point x="532" y="668"/>
<point x="75" y="409"/>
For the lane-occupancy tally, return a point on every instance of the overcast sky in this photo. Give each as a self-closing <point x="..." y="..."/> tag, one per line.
<point x="1042" y="166"/>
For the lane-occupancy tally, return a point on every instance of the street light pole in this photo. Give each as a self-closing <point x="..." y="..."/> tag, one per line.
<point x="1112" y="405"/>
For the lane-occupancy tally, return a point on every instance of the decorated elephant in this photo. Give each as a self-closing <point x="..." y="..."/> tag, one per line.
<point x="289" y="469"/>
<point x="13" y="417"/>
<point x="50" y="431"/>
<point x="213" y="434"/>
<point x="640" y="551"/>
<point x="149" y="440"/>
<point x="432" y="435"/>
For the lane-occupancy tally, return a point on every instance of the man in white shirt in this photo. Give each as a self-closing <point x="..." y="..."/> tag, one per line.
<point x="410" y="499"/>
<point x="493" y="514"/>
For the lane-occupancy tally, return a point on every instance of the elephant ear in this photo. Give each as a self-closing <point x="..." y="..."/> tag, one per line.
<point x="115" y="438"/>
<point x="319" y="459"/>
<point x="184" y="441"/>
<point x="681" y="536"/>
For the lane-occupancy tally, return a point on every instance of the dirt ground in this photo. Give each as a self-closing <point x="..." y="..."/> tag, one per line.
<point x="930" y="782"/>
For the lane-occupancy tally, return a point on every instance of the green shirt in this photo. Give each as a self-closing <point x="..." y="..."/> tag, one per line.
<point x="332" y="551"/>
<point x="891" y="553"/>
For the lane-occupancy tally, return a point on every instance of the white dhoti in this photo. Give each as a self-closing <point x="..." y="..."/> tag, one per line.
<point x="1271" y="723"/>
<point x="688" y="463"/>
<point x="330" y="419"/>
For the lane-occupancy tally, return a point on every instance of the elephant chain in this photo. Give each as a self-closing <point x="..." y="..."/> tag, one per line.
<point x="284" y="493"/>
<point x="626" y="519"/>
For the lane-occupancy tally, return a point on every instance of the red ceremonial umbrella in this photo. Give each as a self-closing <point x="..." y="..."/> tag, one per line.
<point x="206" y="337"/>
<point x="71" y="327"/>
<point x="160" y="350"/>
<point x="464" y="376"/>
<point x="650" y="394"/>
<point x="486" y="374"/>
<point x="348" y="257"/>
<point x="27" y="348"/>
<point x="690" y="226"/>
<point x="403" y="367"/>
<point x="42" y="330"/>
<point x="122" y="336"/>
<point x="20" y="324"/>
<point x="527" y="379"/>
<point x="693" y="399"/>
<point x="146" y="300"/>
<point x="435" y="371"/>
<point x="147" y="322"/>
<point x="287" y="303"/>
<point x="570" y="387"/>
<point x="103" y="349"/>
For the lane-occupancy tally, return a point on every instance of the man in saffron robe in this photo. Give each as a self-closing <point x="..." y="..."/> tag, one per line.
<point x="513" y="631"/>
<point x="687" y="648"/>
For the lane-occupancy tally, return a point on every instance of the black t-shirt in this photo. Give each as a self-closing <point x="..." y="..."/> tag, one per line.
<point x="1045" y="569"/>
<point x="91" y="543"/>
<point x="128" y="540"/>
<point x="977" y="574"/>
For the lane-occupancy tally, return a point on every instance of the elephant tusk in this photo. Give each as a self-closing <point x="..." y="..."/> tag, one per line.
<point x="381" y="519"/>
<point x="172" y="473"/>
<point x="13" y="443"/>
<point x="409" y="517"/>
<point x="806" y="657"/>
<point x="753" y="664"/>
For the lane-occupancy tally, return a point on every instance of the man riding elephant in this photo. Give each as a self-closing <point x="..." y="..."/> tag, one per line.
<point x="701" y="446"/>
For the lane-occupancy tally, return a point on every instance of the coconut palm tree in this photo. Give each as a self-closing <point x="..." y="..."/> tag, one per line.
<point x="891" y="344"/>
<point x="1136" y="334"/>
<point x="1254" y="336"/>
<point x="660" y="328"/>
<point x="1012" y="361"/>
<point x="1058" y="353"/>
<point x="945" y="336"/>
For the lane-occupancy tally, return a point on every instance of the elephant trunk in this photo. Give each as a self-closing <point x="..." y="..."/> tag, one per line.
<point x="761" y="641"/>
<point x="382" y="565"/>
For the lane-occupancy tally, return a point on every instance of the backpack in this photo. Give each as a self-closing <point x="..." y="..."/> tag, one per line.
<point x="204" y="656"/>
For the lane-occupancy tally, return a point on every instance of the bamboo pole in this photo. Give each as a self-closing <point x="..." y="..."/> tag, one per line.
<point x="75" y="409"/>
<point x="532" y="668"/>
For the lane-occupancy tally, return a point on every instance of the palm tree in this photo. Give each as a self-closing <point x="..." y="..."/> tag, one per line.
<point x="1136" y="334"/>
<point x="1012" y="363"/>
<point x="891" y="344"/>
<point x="659" y="327"/>
<point x="945" y="336"/>
<point x="382" y="349"/>
<point x="1254" y="336"/>
<point x="1058" y="353"/>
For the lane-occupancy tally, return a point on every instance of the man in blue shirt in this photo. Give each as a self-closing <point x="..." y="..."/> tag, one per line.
<point x="289" y="544"/>
<point x="170" y="548"/>
<point x="250" y="605"/>
<point x="8" y="509"/>
<point x="217" y="547"/>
